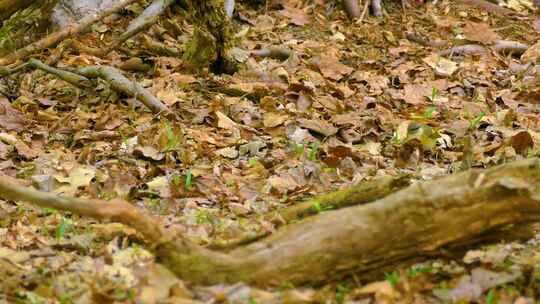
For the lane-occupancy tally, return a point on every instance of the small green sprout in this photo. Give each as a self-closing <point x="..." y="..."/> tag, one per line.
<point x="61" y="229"/>
<point x="476" y="121"/>
<point x="392" y="278"/>
<point x="490" y="297"/>
<point x="313" y="151"/>
<point x="341" y="292"/>
<point x="189" y="178"/>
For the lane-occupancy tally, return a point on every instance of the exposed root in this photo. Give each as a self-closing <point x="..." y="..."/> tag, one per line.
<point x="58" y="36"/>
<point x="120" y="83"/>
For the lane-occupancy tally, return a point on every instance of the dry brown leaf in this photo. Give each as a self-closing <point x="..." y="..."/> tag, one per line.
<point x="522" y="141"/>
<point x="318" y="126"/>
<point x="10" y="118"/>
<point x="532" y="54"/>
<point x="296" y="16"/>
<point x="479" y="32"/>
<point x="331" y="68"/>
<point x="273" y="119"/>
<point x="418" y="93"/>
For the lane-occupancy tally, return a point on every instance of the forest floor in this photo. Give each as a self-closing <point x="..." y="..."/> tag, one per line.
<point x="348" y="102"/>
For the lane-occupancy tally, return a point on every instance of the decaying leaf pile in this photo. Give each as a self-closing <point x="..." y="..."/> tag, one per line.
<point x="318" y="103"/>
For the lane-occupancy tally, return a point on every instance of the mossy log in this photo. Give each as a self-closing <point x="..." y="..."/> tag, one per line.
<point x="361" y="193"/>
<point x="418" y="220"/>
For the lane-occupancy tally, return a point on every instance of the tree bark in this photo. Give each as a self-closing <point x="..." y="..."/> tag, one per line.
<point x="416" y="221"/>
<point x="419" y="220"/>
<point x="8" y="7"/>
<point x="212" y="39"/>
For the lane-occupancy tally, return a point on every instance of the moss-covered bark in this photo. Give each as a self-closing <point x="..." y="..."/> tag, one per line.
<point x="26" y="23"/>
<point x="8" y="7"/>
<point x="416" y="221"/>
<point x="212" y="39"/>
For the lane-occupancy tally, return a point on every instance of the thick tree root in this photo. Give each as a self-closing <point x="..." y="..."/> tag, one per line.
<point x="146" y="19"/>
<point x="361" y="193"/>
<point x="113" y="76"/>
<point x="58" y="36"/>
<point x="416" y="221"/>
<point x="500" y="46"/>
<point x="120" y="83"/>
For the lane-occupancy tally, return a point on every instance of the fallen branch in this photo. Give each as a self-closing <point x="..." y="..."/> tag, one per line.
<point x="159" y="48"/>
<point x="70" y="77"/>
<point x="364" y="11"/>
<point x="500" y="46"/>
<point x="418" y="220"/>
<point x="462" y="50"/>
<point x="58" y="36"/>
<point x="111" y="75"/>
<point x="513" y="47"/>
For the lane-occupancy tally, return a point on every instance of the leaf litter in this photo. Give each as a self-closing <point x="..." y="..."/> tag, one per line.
<point x="349" y="102"/>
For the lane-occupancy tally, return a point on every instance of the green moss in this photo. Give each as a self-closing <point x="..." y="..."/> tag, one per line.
<point x="25" y="26"/>
<point x="213" y="37"/>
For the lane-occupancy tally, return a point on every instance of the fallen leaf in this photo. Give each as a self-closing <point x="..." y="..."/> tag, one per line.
<point x="273" y="119"/>
<point x="296" y="16"/>
<point x="318" y="126"/>
<point x="80" y="176"/>
<point x="522" y="141"/>
<point x="148" y="152"/>
<point x="532" y="54"/>
<point x="228" y="152"/>
<point x="225" y="122"/>
<point x="419" y="93"/>
<point x="331" y="68"/>
<point x="441" y="65"/>
<point x="479" y="32"/>
<point x="161" y="185"/>
<point x="10" y="118"/>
